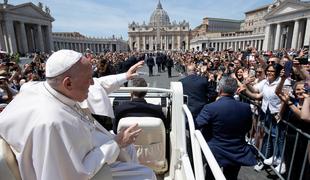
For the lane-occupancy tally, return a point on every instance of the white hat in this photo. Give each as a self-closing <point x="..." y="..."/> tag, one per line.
<point x="60" y="61"/>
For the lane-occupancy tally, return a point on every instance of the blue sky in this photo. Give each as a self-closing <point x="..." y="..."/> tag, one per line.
<point x="103" y="18"/>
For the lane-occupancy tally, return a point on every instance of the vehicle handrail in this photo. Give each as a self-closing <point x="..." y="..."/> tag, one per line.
<point x="197" y="158"/>
<point x="126" y="89"/>
<point x="215" y="168"/>
<point x="187" y="166"/>
<point x="196" y="136"/>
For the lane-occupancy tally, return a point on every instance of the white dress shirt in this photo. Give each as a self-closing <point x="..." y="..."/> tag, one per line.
<point x="270" y="99"/>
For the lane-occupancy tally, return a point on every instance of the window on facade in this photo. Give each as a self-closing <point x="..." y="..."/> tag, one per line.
<point x="133" y="29"/>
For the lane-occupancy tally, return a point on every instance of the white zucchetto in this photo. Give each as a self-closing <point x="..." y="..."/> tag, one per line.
<point x="60" y="61"/>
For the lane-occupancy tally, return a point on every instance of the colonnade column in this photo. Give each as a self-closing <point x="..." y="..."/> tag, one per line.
<point x="307" y="33"/>
<point x="11" y="36"/>
<point x="266" y="45"/>
<point x="278" y="35"/>
<point x="295" y="34"/>
<point x="40" y="38"/>
<point x="23" y="38"/>
<point x="258" y="45"/>
<point x="2" y="45"/>
<point x="49" y="39"/>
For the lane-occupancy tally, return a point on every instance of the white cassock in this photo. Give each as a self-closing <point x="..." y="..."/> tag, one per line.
<point x="52" y="139"/>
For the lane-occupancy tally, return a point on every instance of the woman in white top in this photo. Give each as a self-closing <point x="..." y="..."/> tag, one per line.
<point x="265" y="91"/>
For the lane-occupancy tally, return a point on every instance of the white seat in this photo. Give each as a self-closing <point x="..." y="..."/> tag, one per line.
<point x="151" y="143"/>
<point x="8" y="164"/>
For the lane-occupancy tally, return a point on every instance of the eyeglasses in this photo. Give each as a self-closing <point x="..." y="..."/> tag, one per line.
<point x="271" y="62"/>
<point x="259" y="71"/>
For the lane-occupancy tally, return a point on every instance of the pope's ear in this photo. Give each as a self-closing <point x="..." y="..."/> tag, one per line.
<point x="67" y="83"/>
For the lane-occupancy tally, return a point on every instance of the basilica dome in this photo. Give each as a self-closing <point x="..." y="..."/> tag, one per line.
<point x="159" y="17"/>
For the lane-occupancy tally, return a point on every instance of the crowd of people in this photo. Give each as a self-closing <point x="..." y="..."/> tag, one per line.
<point x="278" y="81"/>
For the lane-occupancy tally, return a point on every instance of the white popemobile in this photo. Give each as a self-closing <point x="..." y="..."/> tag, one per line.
<point x="169" y="160"/>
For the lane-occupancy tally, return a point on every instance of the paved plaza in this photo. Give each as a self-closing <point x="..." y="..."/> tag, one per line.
<point x="160" y="80"/>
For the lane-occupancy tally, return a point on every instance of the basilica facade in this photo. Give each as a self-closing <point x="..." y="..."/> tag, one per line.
<point x="159" y="34"/>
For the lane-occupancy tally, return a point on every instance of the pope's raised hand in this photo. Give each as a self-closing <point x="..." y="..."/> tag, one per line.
<point x="132" y="72"/>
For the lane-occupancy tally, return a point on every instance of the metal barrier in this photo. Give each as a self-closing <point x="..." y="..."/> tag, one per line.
<point x="287" y="151"/>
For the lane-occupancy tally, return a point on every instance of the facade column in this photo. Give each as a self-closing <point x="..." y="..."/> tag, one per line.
<point x="179" y="42"/>
<point x="278" y="35"/>
<point x="138" y="43"/>
<point x="144" y="43"/>
<point x="23" y="38"/>
<point x="167" y="43"/>
<point x="172" y="40"/>
<point x="307" y="33"/>
<point x="130" y="43"/>
<point x="40" y="38"/>
<point x="150" y="42"/>
<point x="258" y="45"/>
<point x="266" y="45"/>
<point x="295" y="34"/>
<point x="11" y="36"/>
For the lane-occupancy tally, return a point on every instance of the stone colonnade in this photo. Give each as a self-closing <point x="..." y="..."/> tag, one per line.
<point x="288" y="34"/>
<point x="235" y="43"/>
<point x="24" y="37"/>
<point x="96" y="45"/>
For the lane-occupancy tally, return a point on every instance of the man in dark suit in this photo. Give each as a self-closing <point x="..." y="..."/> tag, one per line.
<point x="169" y="65"/>
<point x="159" y="61"/>
<point x="197" y="89"/>
<point x="150" y="63"/>
<point x="138" y="107"/>
<point x="224" y="124"/>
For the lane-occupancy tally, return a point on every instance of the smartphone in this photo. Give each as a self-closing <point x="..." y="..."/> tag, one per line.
<point x="302" y="61"/>
<point x="288" y="68"/>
